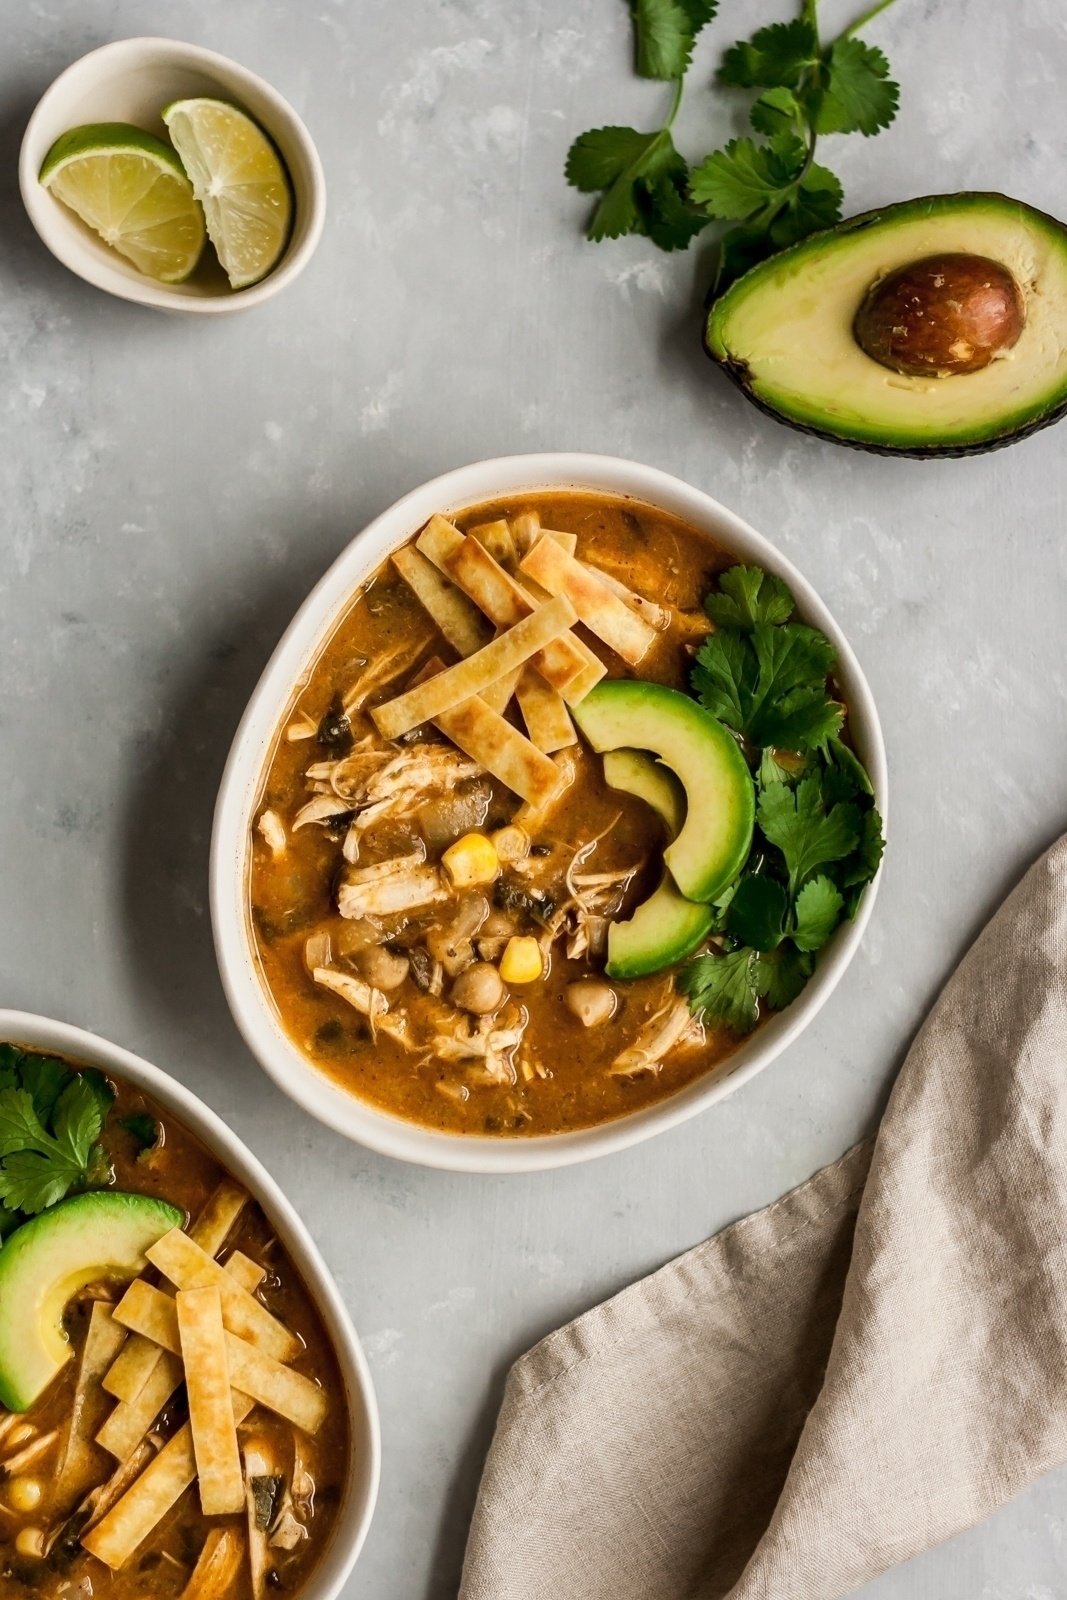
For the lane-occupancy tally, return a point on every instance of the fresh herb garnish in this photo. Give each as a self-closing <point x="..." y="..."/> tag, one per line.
<point x="50" y="1124"/>
<point x="769" y="185"/>
<point x="818" y="839"/>
<point x="144" y="1130"/>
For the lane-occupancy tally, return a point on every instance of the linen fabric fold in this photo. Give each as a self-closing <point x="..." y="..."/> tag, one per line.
<point x="834" y="1384"/>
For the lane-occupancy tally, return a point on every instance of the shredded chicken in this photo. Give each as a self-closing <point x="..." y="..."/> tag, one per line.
<point x="403" y="889"/>
<point x="390" y="667"/>
<point x="486" y="1042"/>
<point x="673" y="1024"/>
<point x="371" y="1003"/>
<point x="321" y="808"/>
<point x="272" y="828"/>
<point x="31" y="1452"/>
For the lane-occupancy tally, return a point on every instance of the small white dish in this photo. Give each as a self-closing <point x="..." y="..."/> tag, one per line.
<point x="357" y="1504"/>
<point x="131" y="81"/>
<point x="300" y="645"/>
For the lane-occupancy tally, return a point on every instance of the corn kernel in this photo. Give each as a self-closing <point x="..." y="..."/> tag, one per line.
<point x="521" y="961"/>
<point x="29" y="1542"/>
<point x="24" y="1494"/>
<point x="511" y="843"/>
<point x="471" y="860"/>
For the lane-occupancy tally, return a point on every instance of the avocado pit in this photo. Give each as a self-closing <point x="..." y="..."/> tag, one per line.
<point x="941" y="316"/>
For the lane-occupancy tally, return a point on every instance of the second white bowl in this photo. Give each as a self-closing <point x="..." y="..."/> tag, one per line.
<point x="295" y="654"/>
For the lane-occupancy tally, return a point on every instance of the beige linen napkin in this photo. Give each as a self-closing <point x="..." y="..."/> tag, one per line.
<point x="870" y="1365"/>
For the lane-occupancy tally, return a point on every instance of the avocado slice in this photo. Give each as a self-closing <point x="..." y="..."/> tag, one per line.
<point x="714" y="841"/>
<point x="666" y="927"/>
<point x="103" y="1234"/>
<point x="787" y="332"/>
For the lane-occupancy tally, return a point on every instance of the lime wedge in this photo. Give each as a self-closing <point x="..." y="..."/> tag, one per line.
<point x="240" y="181"/>
<point x="132" y="190"/>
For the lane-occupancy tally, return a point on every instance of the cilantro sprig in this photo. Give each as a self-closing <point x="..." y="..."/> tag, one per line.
<point x="766" y="185"/>
<point x="818" y="839"/>
<point x="51" y="1120"/>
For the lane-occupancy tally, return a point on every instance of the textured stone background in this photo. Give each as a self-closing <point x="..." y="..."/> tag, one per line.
<point x="170" y="489"/>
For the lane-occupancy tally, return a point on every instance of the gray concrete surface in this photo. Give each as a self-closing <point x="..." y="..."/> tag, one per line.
<point x="170" y="489"/>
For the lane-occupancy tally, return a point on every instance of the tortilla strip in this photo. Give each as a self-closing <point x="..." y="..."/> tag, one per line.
<point x="498" y="695"/>
<point x="525" y="531"/>
<point x="657" y="616"/>
<point x="602" y="611"/>
<point x="496" y="592"/>
<point x="207" y="1383"/>
<point x="496" y="538"/>
<point x="501" y="749"/>
<point x="181" y="1260"/>
<point x="532" y="817"/>
<point x="451" y="688"/>
<point x="131" y="1419"/>
<point x="78" y="1462"/>
<point x="215" y="1572"/>
<point x="455" y="618"/>
<point x="136" y="1361"/>
<point x="566" y="541"/>
<point x="131" y="1519"/>
<point x="546" y="717"/>
<point x="255" y="1374"/>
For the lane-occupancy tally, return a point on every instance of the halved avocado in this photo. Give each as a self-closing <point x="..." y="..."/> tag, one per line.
<point x="716" y="837"/>
<point x="44" y="1263"/>
<point x="786" y="332"/>
<point x="666" y="927"/>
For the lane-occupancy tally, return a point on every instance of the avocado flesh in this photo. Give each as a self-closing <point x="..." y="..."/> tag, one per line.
<point x="666" y="927"/>
<point x="783" y="332"/>
<point x="101" y="1235"/>
<point x="714" y="841"/>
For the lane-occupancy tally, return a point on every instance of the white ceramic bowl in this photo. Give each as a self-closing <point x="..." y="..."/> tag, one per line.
<point x="252" y="1008"/>
<point x="131" y="81"/>
<point x="357" y="1503"/>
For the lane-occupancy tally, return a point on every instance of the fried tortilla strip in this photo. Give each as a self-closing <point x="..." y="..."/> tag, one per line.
<point x="498" y="695"/>
<point x="207" y="1383"/>
<point x="136" y="1361"/>
<point x="131" y="1419"/>
<point x="266" y="1381"/>
<point x="458" y="622"/>
<point x="525" y="531"/>
<point x="79" y="1463"/>
<point x="496" y="538"/>
<point x="602" y="611"/>
<point x="501" y="750"/>
<point x="181" y="1260"/>
<point x="146" y="1502"/>
<point x="566" y="541"/>
<point x="546" y="716"/>
<point x="451" y="688"/>
<point x="496" y="592"/>
<point x="215" y="1574"/>
<point x="532" y="818"/>
<point x="657" y="616"/>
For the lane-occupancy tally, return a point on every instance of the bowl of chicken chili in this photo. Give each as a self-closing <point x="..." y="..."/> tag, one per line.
<point x="557" y="813"/>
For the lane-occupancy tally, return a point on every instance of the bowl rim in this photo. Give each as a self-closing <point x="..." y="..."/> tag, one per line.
<point x="364" y="1469"/>
<point x="91" y="266"/>
<point x="297" y="649"/>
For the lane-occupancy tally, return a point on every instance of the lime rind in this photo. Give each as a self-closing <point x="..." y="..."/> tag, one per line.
<point x="108" y="138"/>
<point x="241" y="181"/>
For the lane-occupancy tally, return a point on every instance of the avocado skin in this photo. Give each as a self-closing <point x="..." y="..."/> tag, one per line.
<point x="738" y="374"/>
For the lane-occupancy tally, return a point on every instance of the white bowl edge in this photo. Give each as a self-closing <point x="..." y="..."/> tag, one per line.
<point x="296" y="651"/>
<point x="357" y="1504"/>
<point x="135" y="67"/>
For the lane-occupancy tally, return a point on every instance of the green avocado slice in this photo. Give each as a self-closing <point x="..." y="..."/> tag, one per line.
<point x="666" y="927"/>
<point x="784" y="331"/>
<point x="716" y="836"/>
<point x="103" y="1234"/>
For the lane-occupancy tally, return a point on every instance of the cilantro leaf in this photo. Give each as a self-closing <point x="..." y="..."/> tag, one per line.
<point x="663" y="38"/>
<point x="44" y="1077"/>
<point x="144" y="1130"/>
<point x="782" y="974"/>
<point x="615" y="160"/>
<point x="776" y="111"/>
<point x="775" y="56"/>
<point x="669" y="219"/>
<point x="869" y="852"/>
<point x="30" y="1182"/>
<point x="757" y="911"/>
<point x="745" y="177"/>
<point x="721" y="989"/>
<point x="724" y="678"/>
<point x="20" y="1126"/>
<point x="50" y="1124"/>
<point x="79" y="1119"/>
<point x="807" y="833"/>
<point x="858" y="95"/>
<point x="845" y="775"/>
<point x="699" y="12"/>
<point x="818" y="911"/>
<point x="747" y="595"/>
<point x="770" y="684"/>
<point x="740" y="249"/>
<point x="814" y="204"/>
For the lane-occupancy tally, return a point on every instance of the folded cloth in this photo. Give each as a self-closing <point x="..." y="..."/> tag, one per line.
<point x="873" y="1363"/>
